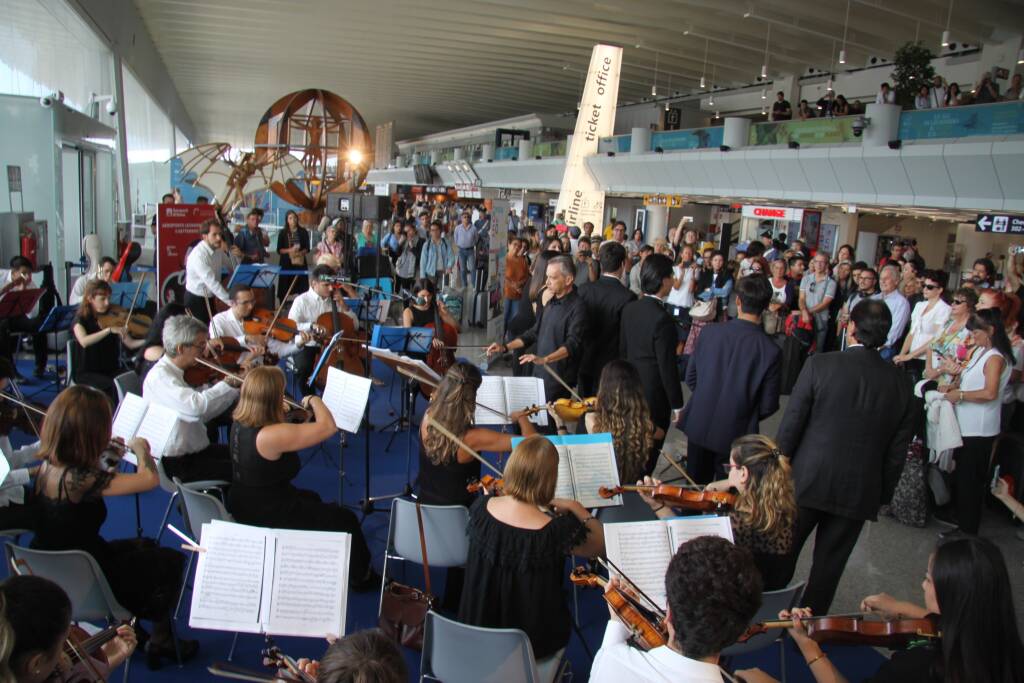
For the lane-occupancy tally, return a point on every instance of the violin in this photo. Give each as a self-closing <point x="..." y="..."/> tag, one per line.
<point x="29" y="422"/>
<point x="228" y="359"/>
<point x="486" y="483"/>
<point x="568" y="409"/>
<point x="854" y="630"/>
<point x="80" y="647"/>
<point x="678" y="496"/>
<point x="117" y="317"/>
<point x="646" y="626"/>
<point x="262" y="323"/>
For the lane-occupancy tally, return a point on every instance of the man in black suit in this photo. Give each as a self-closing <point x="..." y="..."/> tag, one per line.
<point x="647" y="339"/>
<point x="604" y="300"/>
<point x="846" y="430"/>
<point x="734" y="375"/>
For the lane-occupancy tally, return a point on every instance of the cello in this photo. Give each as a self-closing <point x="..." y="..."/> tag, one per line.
<point x="347" y="352"/>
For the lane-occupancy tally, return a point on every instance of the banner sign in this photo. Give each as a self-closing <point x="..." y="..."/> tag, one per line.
<point x="775" y="213"/>
<point x="999" y="223"/>
<point x="177" y="226"/>
<point x="580" y="198"/>
<point x="672" y="201"/>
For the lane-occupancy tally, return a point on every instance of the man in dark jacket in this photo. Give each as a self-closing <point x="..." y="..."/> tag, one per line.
<point x="734" y="375"/>
<point x="846" y="430"/>
<point x="648" y="340"/>
<point x="604" y="300"/>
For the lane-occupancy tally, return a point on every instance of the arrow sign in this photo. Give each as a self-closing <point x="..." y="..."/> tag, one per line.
<point x="984" y="222"/>
<point x="999" y="223"/>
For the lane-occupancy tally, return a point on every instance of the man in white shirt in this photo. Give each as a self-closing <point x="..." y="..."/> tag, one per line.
<point x="18" y="279"/>
<point x="306" y="308"/>
<point x="105" y="271"/>
<point x="189" y="454"/>
<point x="691" y="654"/>
<point x="885" y="95"/>
<point x="203" y="271"/>
<point x="937" y="93"/>
<point x="14" y="514"/>
<point x="899" y="307"/>
<point x="230" y="323"/>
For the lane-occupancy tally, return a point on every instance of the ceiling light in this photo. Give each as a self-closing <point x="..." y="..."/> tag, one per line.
<point x="764" y="64"/>
<point x="704" y="69"/>
<point x="717" y="115"/>
<point x="711" y="101"/>
<point x="945" y="38"/>
<point x="764" y="71"/>
<point x="667" y="107"/>
<point x="828" y="86"/>
<point x="842" y="56"/>
<point x="1020" y="57"/>
<point x="949" y="20"/>
<point x="355" y="156"/>
<point x="703" y="83"/>
<point x="654" y="91"/>
<point x="764" y="94"/>
<point x="846" y="26"/>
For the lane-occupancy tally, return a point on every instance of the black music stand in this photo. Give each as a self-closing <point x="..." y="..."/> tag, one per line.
<point x="59" y="319"/>
<point x="129" y="295"/>
<point x="411" y="341"/>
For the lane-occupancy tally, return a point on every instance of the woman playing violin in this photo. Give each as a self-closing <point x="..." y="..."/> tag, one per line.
<point x="38" y="613"/>
<point x="517" y="548"/>
<point x="765" y="511"/>
<point x="426" y="309"/>
<point x="622" y="410"/>
<point x="265" y="460"/>
<point x="96" y="358"/>
<point x="968" y="597"/>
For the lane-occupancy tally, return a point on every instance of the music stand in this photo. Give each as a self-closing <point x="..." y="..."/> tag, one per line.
<point x="20" y="302"/>
<point x="255" y="275"/>
<point x="414" y="341"/>
<point x="59" y="319"/>
<point x="123" y="294"/>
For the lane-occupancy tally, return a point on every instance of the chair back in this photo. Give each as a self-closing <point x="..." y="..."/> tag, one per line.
<point x="127" y="383"/>
<point x="772" y="602"/>
<point x="69" y="356"/>
<point x="77" y="572"/>
<point x="444" y="532"/>
<point x="633" y="509"/>
<point x="200" y="508"/>
<point x="458" y="653"/>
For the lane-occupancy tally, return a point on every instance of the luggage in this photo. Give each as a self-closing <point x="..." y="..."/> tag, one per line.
<point x="481" y="305"/>
<point x="451" y="298"/>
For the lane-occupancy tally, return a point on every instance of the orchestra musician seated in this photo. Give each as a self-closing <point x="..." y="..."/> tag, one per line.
<point x="518" y="543"/>
<point x="38" y="614"/>
<point x="96" y="357"/>
<point x="71" y="484"/>
<point x="426" y="309"/>
<point x="104" y="272"/>
<point x="968" y="599"/>
<point x="153" y="343"/>
<point x="764" y="516"/>
<point x="189" y="453"/>
<point x="622" y="410"/>
<point x="16" y="509"/>
<point x="713" y="590"/>
<point x="265" y="459"/>
<point x="19" y="279"/>
<point x="364" y="657"/>
<point x="305" y="310"/>
<point x="230" y="323"/>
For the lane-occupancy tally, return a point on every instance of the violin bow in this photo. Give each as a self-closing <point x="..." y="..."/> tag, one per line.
<point x="135" y="299"/>
<point x="277" y="313"/>
<point x="611" y="567"/>
<point x="25" y="406"/>
<point x="226" y="373"/>
<point x="562" y="382"/>
<point x="458" y="442"/>
<point x="432" y="383"/>
<point x="679" y="468"/>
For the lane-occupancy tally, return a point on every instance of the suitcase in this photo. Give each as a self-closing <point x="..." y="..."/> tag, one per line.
<point x="452" y="299"/>
<point x="481" y="306"/>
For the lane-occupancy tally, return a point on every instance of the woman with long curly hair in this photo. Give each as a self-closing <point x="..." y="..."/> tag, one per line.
<point x="622" y="410"/>
<point x="765" y="511"/>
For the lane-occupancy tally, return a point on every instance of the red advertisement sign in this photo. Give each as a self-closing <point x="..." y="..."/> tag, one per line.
<point x="177" y="226"/>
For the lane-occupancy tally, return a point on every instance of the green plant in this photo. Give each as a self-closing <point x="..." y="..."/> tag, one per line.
<point x="912" y="69"/>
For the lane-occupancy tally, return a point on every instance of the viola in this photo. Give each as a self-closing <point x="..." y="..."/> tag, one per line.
<point x="486" y="483"/>
<point x="855" y="630"/>
<point x="678" y="496"/>
<point x="228" y="359"/>
<point x="645" y="625"/>
<point x="263" y="323"/>
<point x="568" y="409"/>
<point x="138" y="324"/>
<point x="80" y="646"/>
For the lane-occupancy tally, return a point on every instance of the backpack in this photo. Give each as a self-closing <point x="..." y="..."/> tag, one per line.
<point x="405" y="266"/>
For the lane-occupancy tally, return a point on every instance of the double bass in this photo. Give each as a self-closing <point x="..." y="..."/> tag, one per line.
<point x="347" y="353"/>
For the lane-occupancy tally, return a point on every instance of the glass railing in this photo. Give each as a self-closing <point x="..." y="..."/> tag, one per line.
<point x="554" y="148"/>
<point x="691" y="138"/>
<point x="618" y="144"/>
<point x="506" y="153"/>
<point x="825" y="131"/>
<point x="1001" y="118"/>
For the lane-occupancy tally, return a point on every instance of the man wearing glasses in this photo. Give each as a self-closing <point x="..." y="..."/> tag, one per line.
<point x="867" y="288"/>
<point x="231" y="323"/>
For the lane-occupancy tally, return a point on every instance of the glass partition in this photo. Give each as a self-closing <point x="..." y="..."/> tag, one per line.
<point x="824" y="131"/>
<point x="1001" y="118"/>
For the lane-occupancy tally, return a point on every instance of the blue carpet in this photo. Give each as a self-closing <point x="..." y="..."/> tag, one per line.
<point x="387" y="475"/>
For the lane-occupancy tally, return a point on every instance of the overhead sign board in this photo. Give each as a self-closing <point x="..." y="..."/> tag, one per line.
<point x="672" y="201"/>
<point x="999" y="223"/>
<point x="774" y="213"/>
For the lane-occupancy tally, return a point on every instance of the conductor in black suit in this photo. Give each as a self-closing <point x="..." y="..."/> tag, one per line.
<point x="846" y="429"/>
<point x="734" y="375"/>
<point x="648" y="340"/>
<point x="604" y="299"/>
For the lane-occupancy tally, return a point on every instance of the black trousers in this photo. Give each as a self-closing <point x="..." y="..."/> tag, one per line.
<point x="703" y="464"/>
<point x="8" y="339"/>
<point x="304" y="362"/>
<point x="199" y="306"/>
<point x="834" y="540"/>
<point x="213" y="462"/>
<point x="970" y="479"/>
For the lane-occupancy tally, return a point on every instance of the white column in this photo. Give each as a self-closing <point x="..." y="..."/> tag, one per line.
<point x="487" y="152"/>
<point x="657" y="223"/>
<point x="460" y="154"/>
<point x="525" y="149"/>
<point x="639" y="140"/>
<point x="884" y="125"/>
<point x="736" y="133"/>
<point x="435" y="156"/>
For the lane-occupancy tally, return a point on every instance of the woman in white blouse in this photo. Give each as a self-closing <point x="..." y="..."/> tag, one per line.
<point x="926" y="321"/>
<point x="976" y="394"/>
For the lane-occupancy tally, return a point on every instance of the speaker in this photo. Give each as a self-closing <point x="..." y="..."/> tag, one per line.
<point x="358" y="206"/>
<point x="341" y="205"/>
<point x="374" y="208"/>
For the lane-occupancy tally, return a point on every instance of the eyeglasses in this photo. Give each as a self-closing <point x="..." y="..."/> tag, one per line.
<point x="929" y="286"/>
<point x="958" y="302"/>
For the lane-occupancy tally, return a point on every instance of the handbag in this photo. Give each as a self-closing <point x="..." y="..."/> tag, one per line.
<point x="704" y="311"/>
<point x="403" y="609"/>
<point x="773" y="323"/>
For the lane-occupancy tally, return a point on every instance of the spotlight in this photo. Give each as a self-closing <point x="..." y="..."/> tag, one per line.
<point x="895" y="144"/>
<point x="945" y="38"/>
<point x="793" y="144"/>
<point x="703" y="82"/>
<point x="764" y="71"/>
<point x="654" y="91"/>
<point x="355" y="156"/>
<point x="842" y="56"/>
<point x="1020" y="57"/>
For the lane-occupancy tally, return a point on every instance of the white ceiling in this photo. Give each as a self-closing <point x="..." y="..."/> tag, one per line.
<point x="441" y="64"/>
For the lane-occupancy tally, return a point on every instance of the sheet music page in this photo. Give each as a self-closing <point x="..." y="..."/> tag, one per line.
<point x="157" y="428"/>
<point x="129" y="416"/>
<point x="228" y="587"/>
<point x="563" y="487"/>
<point x="345" y="396"/>
<point x="491" y="394"/>
<point x="593" y="466"/>
<point x="682" y="529"/>
<point x="642" y="551"/>
<point x="422" y="369"/>
<point x="524" y="392"/>
<point x="310" y="586"/>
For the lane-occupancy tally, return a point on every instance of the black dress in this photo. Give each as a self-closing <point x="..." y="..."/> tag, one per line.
<point x="919" y="663"/>
<point x="421" y="318"/>
<point x="262" y="494"/>
<point x="445" y="484"/>
<point x="286" y="239"/>
<point x="145" y="577"/>
<point x="515" y="577"/>
<point x="98" y="364"/>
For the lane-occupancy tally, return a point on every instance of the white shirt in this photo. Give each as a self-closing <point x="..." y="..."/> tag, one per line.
<point x="882" y="98"/>
<point x="225" y="324"/>
<point x="78" y="290"/>
<point x="309" y="306"/>
<point x="12" y="489"/>
<point x="682" y="296"/>
<point x="617" y="662"/>
<point x="925" y="325"/>
<point x="165" y="385"/>
<point x="899" y="307"/>
<point x="202" y="272"/>
<point x="981" y="419"/>
<point x="937" y="97"/>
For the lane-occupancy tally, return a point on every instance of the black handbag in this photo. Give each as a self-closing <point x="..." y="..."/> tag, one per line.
<point x="403" y="609"/>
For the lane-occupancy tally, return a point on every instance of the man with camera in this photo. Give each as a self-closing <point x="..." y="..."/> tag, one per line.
<point x="586" y="269"/>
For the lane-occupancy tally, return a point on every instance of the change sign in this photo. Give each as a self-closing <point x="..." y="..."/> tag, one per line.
<point x="999" y="223"/>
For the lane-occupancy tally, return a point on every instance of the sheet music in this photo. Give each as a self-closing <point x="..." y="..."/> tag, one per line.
<point x="564" y="487"/>
<point x="310" y="587"/>
<point x="491" y="394"/>
<point x="345" y="396"/>
<point x="524" y="392"/>
<point x="642" y="550"/>
<point x="593" y="466"/>
<point x="157" y="427"/>
<point x="682" y="529"/>
<point x="129" y="416"/>
<point x="228" y="590"/>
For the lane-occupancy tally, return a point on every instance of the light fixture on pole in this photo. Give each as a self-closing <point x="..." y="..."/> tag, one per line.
<point x="949" y="19"/>
<point x="764" y="93"/>
<point x="654" y="86"/>
<point x="703" y="70"/>
<point x="667" y="107"/>
<point x="764" y="65"/>
<point x="1020" y="57"/>
<point x="846" y="26"/>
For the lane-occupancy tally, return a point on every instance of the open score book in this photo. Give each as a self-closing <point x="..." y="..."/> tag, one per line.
<point x="507" y="395"/>
<point x="137" y="417"/>
<point x="275" y="581"/>
<point x="586" y="462"/>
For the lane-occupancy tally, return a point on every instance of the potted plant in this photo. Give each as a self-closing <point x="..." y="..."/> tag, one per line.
<point x="912" y="69"/>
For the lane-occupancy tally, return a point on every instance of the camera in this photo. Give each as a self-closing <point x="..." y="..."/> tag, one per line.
<point x="48" y="101"/>
<point x="859" y="124"/>
<point x="112" y="107"/>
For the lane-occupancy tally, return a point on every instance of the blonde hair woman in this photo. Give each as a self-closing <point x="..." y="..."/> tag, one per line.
<point x="765" y="512"/>
<point x="265" y="460"/>
<point x="518" y="543"/>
